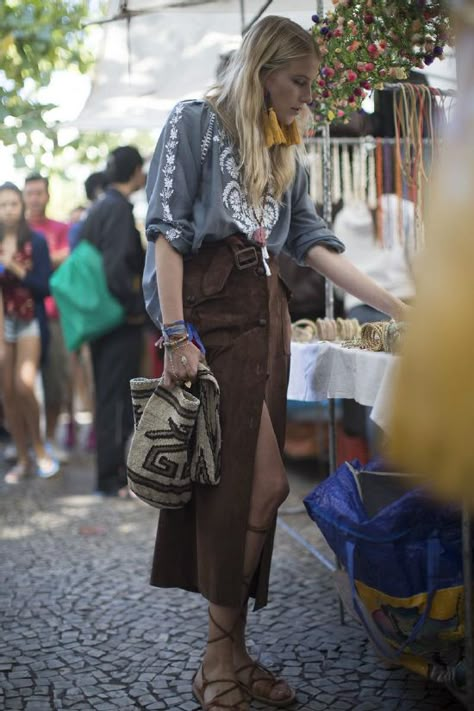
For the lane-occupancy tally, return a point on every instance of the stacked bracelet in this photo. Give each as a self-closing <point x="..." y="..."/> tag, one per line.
<point x="179" y="332"/>
<point x="177" y="328"/>
<point x="176" y="342"/>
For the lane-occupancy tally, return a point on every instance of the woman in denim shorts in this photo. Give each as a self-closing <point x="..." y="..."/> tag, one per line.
<point x="25" y="268"/>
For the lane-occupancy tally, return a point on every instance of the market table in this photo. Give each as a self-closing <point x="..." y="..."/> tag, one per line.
<point x="325" y="370"/>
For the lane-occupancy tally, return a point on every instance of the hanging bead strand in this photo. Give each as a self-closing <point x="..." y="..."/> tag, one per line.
<point x="336" y="175"/>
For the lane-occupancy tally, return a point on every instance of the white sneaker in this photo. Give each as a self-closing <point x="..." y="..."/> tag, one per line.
<point x="9" y="453"/>
<point x="57" y="453"/>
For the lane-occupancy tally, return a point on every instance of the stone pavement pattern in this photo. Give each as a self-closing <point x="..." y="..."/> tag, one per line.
<point x="81" y="629"/>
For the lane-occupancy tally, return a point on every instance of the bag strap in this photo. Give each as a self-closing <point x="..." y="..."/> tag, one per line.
<point x="386" y="649"/>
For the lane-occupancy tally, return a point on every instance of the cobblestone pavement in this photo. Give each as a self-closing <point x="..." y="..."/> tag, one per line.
<point x="81" y="629"/>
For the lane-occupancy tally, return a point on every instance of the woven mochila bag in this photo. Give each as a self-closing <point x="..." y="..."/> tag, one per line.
<point x="177" y="440"/>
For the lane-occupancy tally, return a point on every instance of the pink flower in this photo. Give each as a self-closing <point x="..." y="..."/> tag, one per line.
<point x="352" y="75"/>
<point x="369" y="67"/>
<point x="353" y="46"/>
<point x="373" y="49"/>
<point x="340" y="113"/>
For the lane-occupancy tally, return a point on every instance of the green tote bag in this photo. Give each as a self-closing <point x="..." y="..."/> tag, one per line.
<point x="86" y="307"/>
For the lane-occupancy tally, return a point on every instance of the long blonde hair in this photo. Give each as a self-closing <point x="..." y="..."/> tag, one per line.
<point x="239" y="101"/>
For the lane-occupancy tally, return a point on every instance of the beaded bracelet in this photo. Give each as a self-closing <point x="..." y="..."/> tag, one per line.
<point x="181" y="331"/>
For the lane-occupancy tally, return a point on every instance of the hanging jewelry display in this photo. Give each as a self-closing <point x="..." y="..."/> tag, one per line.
<point x="356" y="159"/>
<point x="363" y="171"/>
<point x="315" y="168"/>
<point x="372" y="185"/>
<point x="336" y="175"/>
<point x="399" y="193"/>
<point x="379" y="184"/>
<point x="413" y="118"/>
<point x="347" y="185"/>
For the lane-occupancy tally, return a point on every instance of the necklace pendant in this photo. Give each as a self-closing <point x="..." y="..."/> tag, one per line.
<point x="259" y="236"/>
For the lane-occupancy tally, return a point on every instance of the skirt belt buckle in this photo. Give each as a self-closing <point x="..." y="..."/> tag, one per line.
<point x="246" y="258"/>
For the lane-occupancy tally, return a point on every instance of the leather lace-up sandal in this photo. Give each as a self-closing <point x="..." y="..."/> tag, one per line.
<point x="256" y="673"/>
<point x="218" y="701"/>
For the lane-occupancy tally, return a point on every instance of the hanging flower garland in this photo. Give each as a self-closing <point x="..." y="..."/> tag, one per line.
<point x="366" y="43"/>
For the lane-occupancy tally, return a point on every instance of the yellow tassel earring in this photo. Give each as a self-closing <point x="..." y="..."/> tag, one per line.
<point x="292" y="134"/>
<point x="274" y="136"/>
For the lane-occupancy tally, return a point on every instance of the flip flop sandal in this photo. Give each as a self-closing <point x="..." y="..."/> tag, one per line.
<point x="264" y="675"/>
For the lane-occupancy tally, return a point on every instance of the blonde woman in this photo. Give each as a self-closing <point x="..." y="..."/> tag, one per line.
<point x="228" y="191"/>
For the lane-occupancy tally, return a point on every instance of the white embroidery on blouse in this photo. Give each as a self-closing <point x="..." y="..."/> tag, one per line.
<point x="169" y="169"/>
<point x="206" y="141"/>
<point x="235" y="200"/>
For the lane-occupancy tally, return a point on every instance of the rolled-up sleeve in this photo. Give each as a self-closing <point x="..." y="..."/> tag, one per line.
<point x="173" y="178"/>
<point x="306" y="227"/>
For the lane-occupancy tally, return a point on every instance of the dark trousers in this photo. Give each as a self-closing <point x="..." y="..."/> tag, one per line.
<point x="115" y="360"/>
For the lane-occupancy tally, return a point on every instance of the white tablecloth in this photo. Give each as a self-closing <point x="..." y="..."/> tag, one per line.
<point x="324" y="370"/>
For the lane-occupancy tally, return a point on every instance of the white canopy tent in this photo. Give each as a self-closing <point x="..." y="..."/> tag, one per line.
<point x="145" y="66"/>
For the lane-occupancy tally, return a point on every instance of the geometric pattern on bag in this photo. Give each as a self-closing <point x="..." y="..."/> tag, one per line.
<point x="177" y="439"/>
<point x="158" y="469"/>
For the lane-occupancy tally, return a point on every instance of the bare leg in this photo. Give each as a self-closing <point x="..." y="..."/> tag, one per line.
<point x="226" y="651"/>
<point x="27" y="362"/>
<point x="270" y="489"/>
<point x="13" y="409"/>
<point x="215" y="680"/>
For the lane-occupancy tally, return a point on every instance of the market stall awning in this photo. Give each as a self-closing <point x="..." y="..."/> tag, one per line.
<point x="145" y="66"/>
<point x="157" y="59"/>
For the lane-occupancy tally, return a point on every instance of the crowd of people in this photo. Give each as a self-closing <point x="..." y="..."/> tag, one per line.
<point x="32" y="246"/>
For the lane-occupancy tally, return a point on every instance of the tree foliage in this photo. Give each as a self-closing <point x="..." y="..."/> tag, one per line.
<point x="37" y="37"/>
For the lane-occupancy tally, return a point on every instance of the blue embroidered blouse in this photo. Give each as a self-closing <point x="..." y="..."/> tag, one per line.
<point x="195" y="196"/>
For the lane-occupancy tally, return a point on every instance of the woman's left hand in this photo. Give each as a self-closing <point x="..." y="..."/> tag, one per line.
<point x="181" y="364"/>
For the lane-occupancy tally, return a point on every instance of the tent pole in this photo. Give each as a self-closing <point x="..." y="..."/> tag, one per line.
<point x="242" y="16"/>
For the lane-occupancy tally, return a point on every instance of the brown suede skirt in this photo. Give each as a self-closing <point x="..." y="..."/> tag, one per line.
<point x="242" y="318"/>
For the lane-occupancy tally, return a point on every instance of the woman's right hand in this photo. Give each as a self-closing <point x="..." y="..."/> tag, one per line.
<point x="181" y="364"/>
